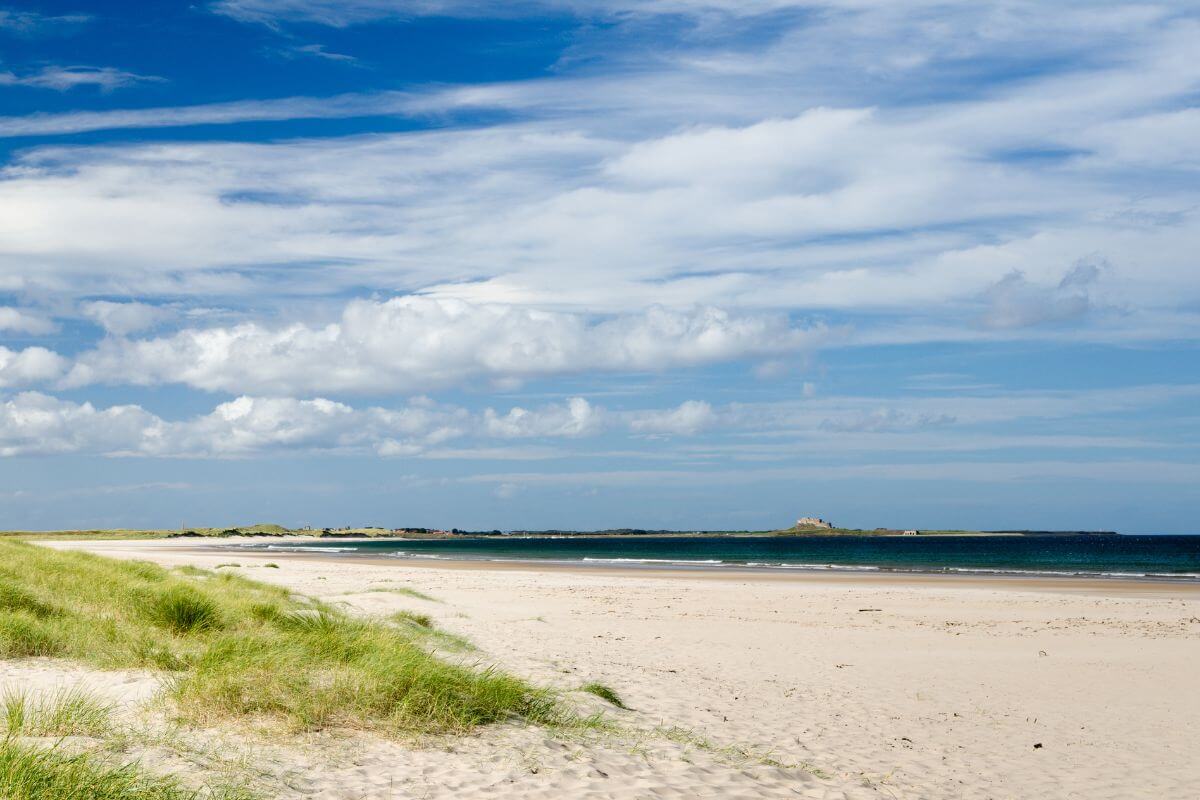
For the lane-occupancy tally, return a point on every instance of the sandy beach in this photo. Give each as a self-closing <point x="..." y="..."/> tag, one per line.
<point x="749" y="685"/>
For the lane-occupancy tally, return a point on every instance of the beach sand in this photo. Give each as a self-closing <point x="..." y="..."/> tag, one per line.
<point x="754" y="685"/>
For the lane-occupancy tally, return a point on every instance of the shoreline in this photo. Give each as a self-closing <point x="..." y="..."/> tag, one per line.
<point x="1020" y="582"/>
<point x="847" y="575"/>
<point x="1149" y="586"/>
<point x="772" y="683"/>
<point x="713" y="568"/>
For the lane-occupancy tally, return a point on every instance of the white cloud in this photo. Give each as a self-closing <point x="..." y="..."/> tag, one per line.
<point x="342" y="13"/>
<point x="29" y="23"/>
<point x="284" y="108"/>
<point x="1014" y="302"/>
<point x="577" y="417"/>
<point x="19" y="320"/>
<point x="844" y="165"/>
<point x="856" y="209"/>
<point x="64" y="78"/>
<point x="29" y="366"/>
<point x="320" y="51"/>
<point x="412" y="343"/>
<point x="252" y="425"/>
<point x="32" y="423"/>
<point x="886" y="419"/>
<point x="122" y="319"/>
<point x="690" y="417"/>
<point x="35" y="423"/>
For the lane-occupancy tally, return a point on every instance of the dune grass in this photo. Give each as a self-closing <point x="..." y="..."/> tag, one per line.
<point x="402" y="590"/>
<point x="32" y="773"/>
<point x="604" y="693"/>
<point x="66" y="712"/>
<point x="413" y="618"/>
<point x="237" y="648"/>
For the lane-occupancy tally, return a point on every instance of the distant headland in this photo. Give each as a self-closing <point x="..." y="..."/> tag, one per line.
<point x="805" y="526"/>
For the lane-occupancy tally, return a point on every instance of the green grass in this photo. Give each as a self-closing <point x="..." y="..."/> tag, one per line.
<point x="412" y="618"/>
<point x="432" y="636"/>
<point x="604" y="693"/>
<point x="30" y="773"/>
<point x="184" y="610"/>
<point x="404" y="590"/>
<point x="236" y="648"/>
<point x="67" y="712"/>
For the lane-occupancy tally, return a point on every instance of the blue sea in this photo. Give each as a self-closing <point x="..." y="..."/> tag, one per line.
<point x="1174" y="557"/>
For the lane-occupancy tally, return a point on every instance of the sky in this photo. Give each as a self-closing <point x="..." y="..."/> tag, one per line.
<point x="581" y="264"/>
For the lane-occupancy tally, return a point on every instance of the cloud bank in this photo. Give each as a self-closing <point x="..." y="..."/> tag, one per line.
<point x="415" y="344"/>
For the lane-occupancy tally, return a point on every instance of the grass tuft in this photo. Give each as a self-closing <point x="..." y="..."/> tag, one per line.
<point x="184" y="610"/>
<point x="67" y="712"/>
<point x="404" y="590"/>
<point x="604" y="693"/>
<point x="413" y="618"/>
<point x="23" y="635"/>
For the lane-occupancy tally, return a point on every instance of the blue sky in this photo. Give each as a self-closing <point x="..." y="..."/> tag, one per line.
<point x="563" y="263"/>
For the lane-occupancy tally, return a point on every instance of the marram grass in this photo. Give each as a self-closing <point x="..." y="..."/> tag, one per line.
<point x="65" y="712"/>
<point x="237" y="648"/>
<point x="35" y="773"/>
<point x="604" y="693"/>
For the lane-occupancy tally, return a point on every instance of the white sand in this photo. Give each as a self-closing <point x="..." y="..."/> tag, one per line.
<point x="786" y="688"/>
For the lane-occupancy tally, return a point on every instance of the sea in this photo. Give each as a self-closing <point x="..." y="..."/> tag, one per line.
<point x="1157" y="557"/>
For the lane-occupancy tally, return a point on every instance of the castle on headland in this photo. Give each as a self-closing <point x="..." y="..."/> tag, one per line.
<point x="813" y="522"/>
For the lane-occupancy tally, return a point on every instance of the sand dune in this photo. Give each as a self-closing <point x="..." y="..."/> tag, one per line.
<point x="750" y="688"/>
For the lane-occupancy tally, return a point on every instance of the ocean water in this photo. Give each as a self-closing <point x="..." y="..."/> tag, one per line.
<point x="1176" y="557"/>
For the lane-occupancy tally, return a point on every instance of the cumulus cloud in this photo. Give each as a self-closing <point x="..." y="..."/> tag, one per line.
<point x="577" y="417"/>
<point x="409" y="344"/>
<point x="122" y="319"/>
<point x="19" y="320"/>
<point x="35" y="423"/>
<point x="29" y="366"/>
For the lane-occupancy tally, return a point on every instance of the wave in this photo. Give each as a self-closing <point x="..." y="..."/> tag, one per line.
<point x="789" y="565"/>
<point x="299" y="548"/>
<point x="730" y="563"/>
<point x="652" y="560"/>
